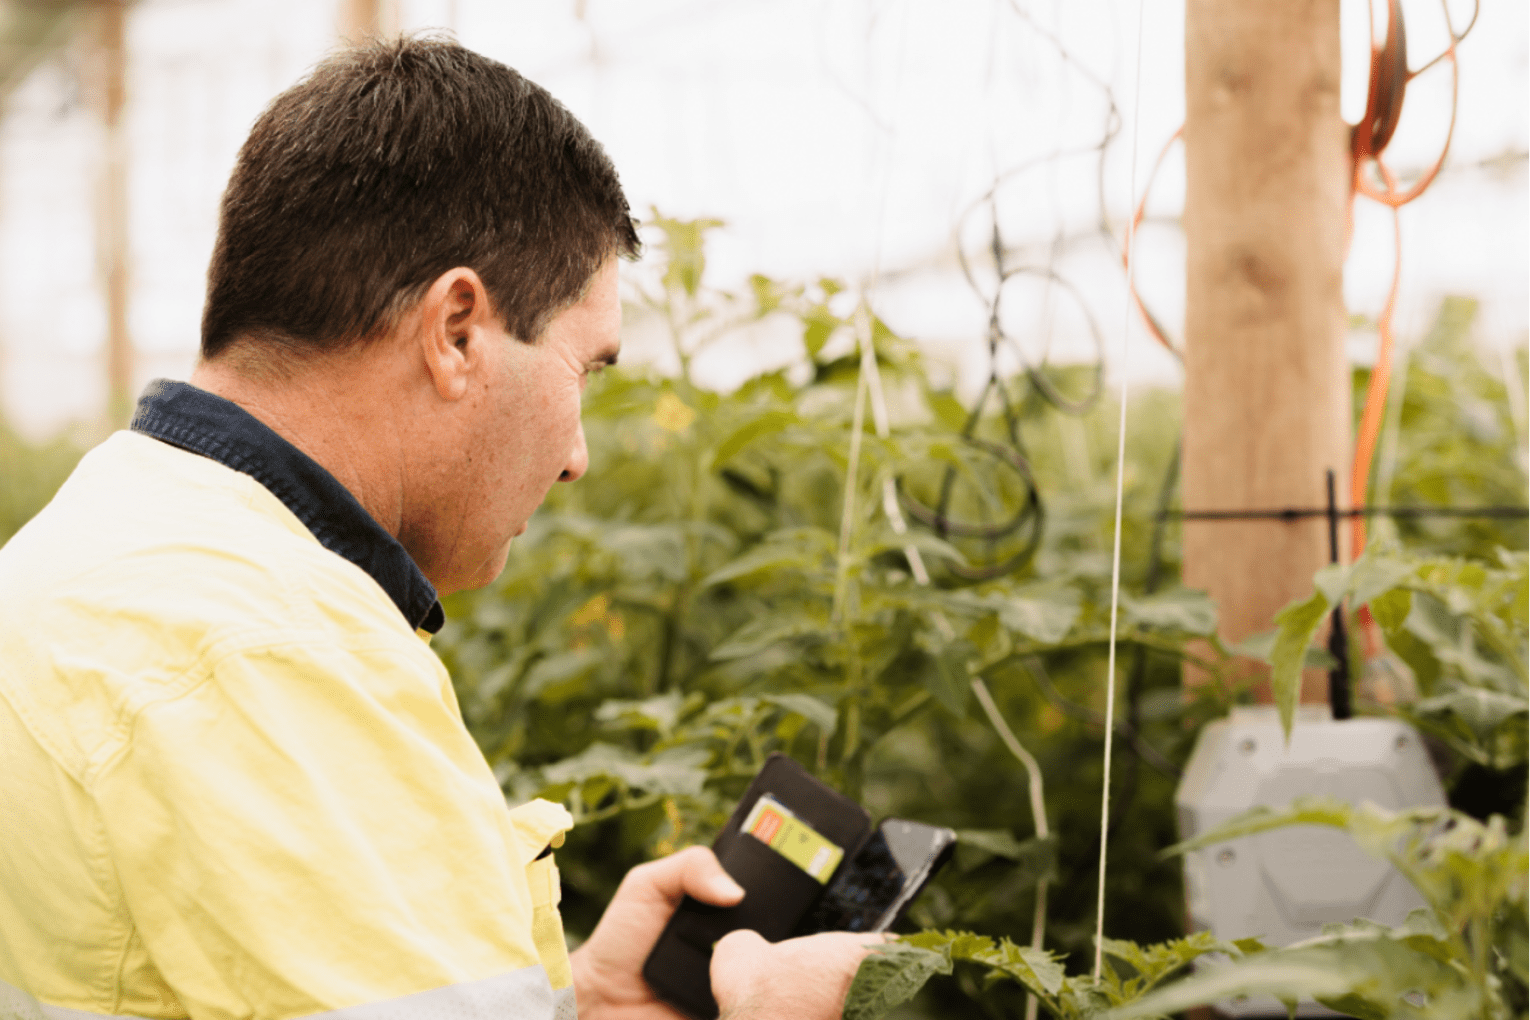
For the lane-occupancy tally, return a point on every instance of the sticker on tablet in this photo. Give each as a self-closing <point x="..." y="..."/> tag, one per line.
<point x="773" y="824"/>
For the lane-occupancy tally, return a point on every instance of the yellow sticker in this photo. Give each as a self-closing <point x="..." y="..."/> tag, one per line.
<point x="771" y="823"/>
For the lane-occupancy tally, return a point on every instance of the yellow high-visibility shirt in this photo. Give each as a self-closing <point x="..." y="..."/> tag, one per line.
<point x="235" y="782"/>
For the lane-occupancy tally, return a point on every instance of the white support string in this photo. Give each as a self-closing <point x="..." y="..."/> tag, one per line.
<point x="1115" y="565"/>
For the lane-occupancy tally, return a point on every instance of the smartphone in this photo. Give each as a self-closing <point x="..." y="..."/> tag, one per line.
<point x="787" y="842"/>
<point x="872" y="891"/>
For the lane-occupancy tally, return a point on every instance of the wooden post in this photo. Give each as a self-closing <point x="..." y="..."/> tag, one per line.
<point x="114" y="250"/>
<point x="1267" y="391"/>
<point x="364" y="20"/>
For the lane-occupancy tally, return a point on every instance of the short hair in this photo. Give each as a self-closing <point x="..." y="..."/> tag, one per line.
<point x="389" y="165"/>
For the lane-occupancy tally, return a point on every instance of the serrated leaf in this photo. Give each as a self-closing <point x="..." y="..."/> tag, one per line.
<point x="1151" y="964"/>
<point x="890" y="975"/>
<point x="1363" y="970"/>
<point x="1036" y="969"/>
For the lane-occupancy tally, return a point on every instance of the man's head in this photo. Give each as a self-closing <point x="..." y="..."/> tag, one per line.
<point x="415" y="274"/>
<point x="386" y="167"/>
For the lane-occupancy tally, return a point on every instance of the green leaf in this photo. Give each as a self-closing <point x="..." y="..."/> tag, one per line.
<point x="676" y="771"/>
<point x="818" y="324"/>
<point x="814" y="710"/>
<point x="1046" y="618"/>
<point x="685" y="251"/>
<point x="1391" y="609"/>
<point x="757" y="635"/>
<point x="990" y="842"/>
<point x="890" y="975"/>
<point x="765" y="424"/>
<point x="658" y="713"/>
<point x="1260" y="646"/>
<point x="1151" y="964"/>
<point x="1034" y="860"/>
<point x="804" y="549"/>
<point x="1365" y="970"/>
<point x="554" y="670"/>
<point x="948" y="411"/>
<point x="949" y="677"/>
<point x="1301" y="811"/>
<point x="1375" y="575"/>
<point x="1184" y="610"/>
<point x="1333" y="582"/>
<point x="1297" y="623"/>
<point x="1036" y="969"/>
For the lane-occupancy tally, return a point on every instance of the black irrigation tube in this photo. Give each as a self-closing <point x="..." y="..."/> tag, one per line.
<point x="1302" y="513"/>
<point x="1339" y="693"/>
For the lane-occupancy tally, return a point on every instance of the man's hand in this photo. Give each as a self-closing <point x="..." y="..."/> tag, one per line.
<point x="799" y="979"/>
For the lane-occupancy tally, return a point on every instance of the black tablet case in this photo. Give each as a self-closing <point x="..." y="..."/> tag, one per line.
<point x="678" y="969"/>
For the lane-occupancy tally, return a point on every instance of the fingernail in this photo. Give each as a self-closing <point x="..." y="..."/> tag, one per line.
<point x="724" y="886"/>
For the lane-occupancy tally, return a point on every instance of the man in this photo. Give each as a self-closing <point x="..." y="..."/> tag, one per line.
<point x="234" y="781"/>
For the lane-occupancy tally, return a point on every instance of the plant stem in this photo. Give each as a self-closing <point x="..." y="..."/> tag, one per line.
<point x="1038" y="815"/>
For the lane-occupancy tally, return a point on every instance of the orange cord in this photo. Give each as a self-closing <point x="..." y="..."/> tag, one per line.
<point x="1368" y="140"/>
<point x="1154" y="326"/>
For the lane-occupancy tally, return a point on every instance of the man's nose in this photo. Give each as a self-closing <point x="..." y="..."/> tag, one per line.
<point x="578" y="459"/>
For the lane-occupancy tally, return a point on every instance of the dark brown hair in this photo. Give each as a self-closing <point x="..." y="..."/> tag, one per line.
<point x="388" y="166"/>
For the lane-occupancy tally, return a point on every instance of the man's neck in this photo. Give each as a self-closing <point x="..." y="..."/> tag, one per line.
<point x="350" y="427"/>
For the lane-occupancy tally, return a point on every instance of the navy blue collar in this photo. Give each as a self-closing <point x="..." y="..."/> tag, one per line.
<point x="182" y="415"/>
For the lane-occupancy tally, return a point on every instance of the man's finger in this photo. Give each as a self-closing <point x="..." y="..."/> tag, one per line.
<point x="693" y="871"/>
<point x="735" y="948"/>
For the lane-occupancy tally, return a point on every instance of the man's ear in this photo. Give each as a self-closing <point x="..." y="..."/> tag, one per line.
<point x="454" y="314"/>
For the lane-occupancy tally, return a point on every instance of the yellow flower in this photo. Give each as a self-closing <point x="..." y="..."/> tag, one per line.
<point x="672" y="414"/>
<point x="593" y="610"/>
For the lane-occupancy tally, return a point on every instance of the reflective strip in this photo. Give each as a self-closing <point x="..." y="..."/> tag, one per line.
<point x="18" y="1005"/>
<point x="523" y="994"/>
<point x="564" y="1006"/>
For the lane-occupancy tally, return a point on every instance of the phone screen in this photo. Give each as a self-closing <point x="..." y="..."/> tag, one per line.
<point x="882" y="879"/>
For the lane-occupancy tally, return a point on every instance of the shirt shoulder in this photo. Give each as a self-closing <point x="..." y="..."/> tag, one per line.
<point x="149" y="566"/>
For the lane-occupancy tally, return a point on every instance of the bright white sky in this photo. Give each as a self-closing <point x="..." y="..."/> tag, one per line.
<point x="841" y="137"/>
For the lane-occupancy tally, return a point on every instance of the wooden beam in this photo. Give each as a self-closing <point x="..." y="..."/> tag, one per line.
<point x="361" y="21"/>
<point x="1267" y="390"/>
<point x="115" y="251"/>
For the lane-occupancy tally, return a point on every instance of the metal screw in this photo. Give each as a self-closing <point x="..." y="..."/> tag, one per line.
<point x="1247" y="746"/>
<point x="1226" y="857"/>
<point x="1402" y="742"/>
